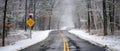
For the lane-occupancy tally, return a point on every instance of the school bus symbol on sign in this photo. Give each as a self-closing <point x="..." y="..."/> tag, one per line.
<point x="30" y="22"/>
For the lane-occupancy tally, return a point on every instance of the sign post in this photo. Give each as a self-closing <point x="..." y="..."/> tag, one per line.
<point x="30" y="22"/>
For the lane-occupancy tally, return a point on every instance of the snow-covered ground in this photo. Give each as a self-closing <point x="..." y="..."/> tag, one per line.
<point x="112" y="42"/>
<point x="21" y="43"/>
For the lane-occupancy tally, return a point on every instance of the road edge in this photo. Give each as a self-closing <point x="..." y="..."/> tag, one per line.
<point x="108" y="48"/>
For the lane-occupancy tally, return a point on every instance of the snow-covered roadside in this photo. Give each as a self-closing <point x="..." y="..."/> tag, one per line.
<point x="37" y="36"/>
<point x="111" y="42"/>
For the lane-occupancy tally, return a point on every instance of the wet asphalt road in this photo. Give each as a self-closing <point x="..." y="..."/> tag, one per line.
<point x="54" y="42"/>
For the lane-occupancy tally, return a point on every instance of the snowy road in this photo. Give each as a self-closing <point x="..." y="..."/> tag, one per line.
<point x="63" y="41"/>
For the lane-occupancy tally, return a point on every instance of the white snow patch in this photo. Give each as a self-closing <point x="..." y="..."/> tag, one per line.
<point x="37" y="36"/>
<point x="111" y="42"/>
<point x="66" y="28"/>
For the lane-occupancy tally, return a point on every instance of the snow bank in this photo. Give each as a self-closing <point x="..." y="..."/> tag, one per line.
<point x="37" y="36"/>
<point x="111" y="42"/>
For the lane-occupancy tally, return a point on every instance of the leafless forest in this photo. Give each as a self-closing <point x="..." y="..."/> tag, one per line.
<point x="100" y="17"/>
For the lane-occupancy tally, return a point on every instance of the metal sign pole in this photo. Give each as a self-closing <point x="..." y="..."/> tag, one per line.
<point x="30" y="32"/>
<point x="30" y="27"/>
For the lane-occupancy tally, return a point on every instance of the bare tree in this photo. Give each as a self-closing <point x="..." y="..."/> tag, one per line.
<point x="5" y="9"/>
<point x="105" y="17"/>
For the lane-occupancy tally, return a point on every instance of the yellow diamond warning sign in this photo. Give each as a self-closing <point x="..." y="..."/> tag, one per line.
<point x="30" y="22"/>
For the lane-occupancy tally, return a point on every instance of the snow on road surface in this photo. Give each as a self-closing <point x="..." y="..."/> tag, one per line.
<point x="37" y="36"/>
<point x="111" y="42"/>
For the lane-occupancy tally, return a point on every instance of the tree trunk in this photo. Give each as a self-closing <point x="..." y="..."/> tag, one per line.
<point x="25" y="15"/>
<point x="112" y="18"/>
<point x="92" y="20"/>
<point x="34" y="12"/>
<point x="105" y="18"/>
<point x="3" y="37"/>
<point x="88" y="22"/>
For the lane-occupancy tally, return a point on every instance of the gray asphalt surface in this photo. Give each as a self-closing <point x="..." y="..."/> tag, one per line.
<point x="54" y="43"/>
